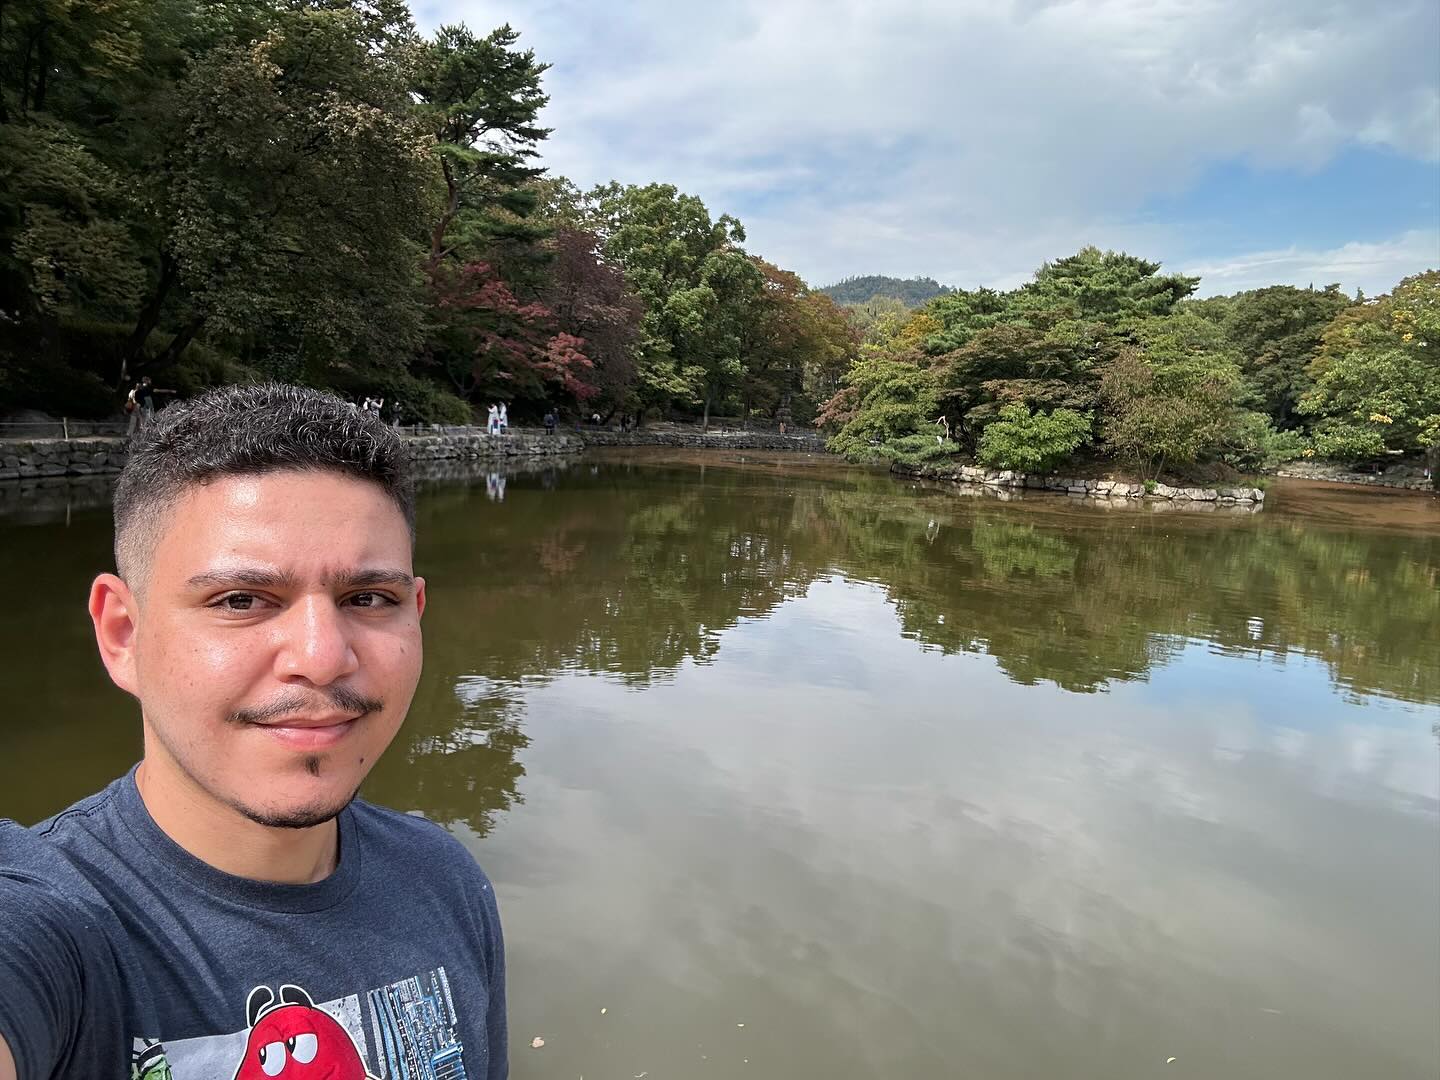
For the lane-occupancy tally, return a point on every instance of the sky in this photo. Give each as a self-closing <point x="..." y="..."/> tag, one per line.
<point x="1252" y="142"/>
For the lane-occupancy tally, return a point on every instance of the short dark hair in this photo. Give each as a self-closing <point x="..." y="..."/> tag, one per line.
<point x="248" y="431"/>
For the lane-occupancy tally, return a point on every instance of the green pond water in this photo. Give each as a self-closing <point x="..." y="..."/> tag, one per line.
<point x="788" y="770"/>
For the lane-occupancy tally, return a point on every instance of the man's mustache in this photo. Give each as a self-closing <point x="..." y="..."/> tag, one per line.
<point x="332" y="698"/>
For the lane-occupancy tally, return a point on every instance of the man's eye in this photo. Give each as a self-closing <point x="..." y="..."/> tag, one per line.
<point x="237" y="602"/>
<point x="371" y="600"/>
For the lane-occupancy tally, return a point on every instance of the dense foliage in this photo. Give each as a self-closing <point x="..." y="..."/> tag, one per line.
<point x="312" y="190"/>
<point x="1102" y="358"/>
<point x="911" y="292"/>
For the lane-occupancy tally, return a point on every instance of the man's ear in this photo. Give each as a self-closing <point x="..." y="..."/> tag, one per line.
<point x="419" y="597"/>
<point x="115" y="614"/>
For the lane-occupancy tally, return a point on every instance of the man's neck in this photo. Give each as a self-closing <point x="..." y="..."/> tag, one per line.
<point x="222" y="837"/>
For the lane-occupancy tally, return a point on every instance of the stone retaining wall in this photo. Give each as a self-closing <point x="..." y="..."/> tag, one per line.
<point x="476" y="445"/>
<point x="32" y="459"/>
<point x="1407" y="475"/>
<point x="1109" y="489"/>
<point x="703" y="440"/>
<point x="29" y="459"/>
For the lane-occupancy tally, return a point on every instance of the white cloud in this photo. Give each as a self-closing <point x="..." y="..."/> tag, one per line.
<point x="968" y="140"/>
<point x="1373" y="267"/>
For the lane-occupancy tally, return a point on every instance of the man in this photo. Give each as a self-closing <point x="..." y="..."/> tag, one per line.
<point x="228" y="910"/>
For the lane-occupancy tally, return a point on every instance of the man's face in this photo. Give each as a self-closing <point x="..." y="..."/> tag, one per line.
<point x="277" y="644"/>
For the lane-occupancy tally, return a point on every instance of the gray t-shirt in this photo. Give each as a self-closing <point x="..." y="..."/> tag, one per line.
<point x="122" y="955"/>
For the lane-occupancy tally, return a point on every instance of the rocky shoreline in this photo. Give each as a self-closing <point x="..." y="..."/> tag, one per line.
<point x="1408" y="475"/>
<point x="32" y="461"/>
<point x="1084" y="486"/>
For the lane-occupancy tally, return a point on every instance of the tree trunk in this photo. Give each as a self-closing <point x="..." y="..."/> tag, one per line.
<point x="705" y="425"/>
<point x="4" y="115"/>
<point x="437" y="235"/>
<point x="182" y="341"/>
<point x="149" y="318"/>
<point x="25" y="76"/>
<point x="42" y="77"/>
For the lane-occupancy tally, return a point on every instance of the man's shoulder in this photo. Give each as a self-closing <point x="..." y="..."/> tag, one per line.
<point x="45" y="845"/>
<point x="42" y="890"/>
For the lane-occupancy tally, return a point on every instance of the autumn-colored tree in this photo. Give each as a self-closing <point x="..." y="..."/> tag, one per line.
<point x="796" y="346"/>
<point x="590" y="300"/>
<point x="492" y="345"/>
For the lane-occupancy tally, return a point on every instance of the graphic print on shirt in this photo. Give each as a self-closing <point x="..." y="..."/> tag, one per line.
<point x="289" y="1036"/>
<point x="406" y="1030"/>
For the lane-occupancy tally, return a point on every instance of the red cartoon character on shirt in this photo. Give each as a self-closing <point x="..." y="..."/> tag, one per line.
<point x="294" y="1040"/>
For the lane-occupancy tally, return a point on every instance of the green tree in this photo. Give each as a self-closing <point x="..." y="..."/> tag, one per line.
<point x="697" y="283"/>
<point x="1377" y="375"/>
<point x="885" y="400"/>
<point x="877" y="320"/>
<point x="1163" y="414"/>
<point x="1020" y="365"/>
<point x="266" y="198"/>
<point x="1032" y="442"/>
<point x="962" y="314"/>
<point x="480" y="97"/>
<point x="1109" y="286"/>
<point x="1276" y="332"/>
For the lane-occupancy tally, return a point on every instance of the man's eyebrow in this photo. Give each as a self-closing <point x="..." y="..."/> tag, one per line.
<point x="254" y="577"/>
<point x="261" y="577"/>
<point x="359" y="579"/>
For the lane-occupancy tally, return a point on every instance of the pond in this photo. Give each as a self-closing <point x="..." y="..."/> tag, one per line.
<point x="788" y="770"/>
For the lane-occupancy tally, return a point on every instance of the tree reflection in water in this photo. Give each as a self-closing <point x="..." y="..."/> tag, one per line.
<point x="629" y="571"/>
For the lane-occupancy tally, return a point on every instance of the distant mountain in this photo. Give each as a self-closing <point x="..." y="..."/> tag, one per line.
<point x="912" y="292"/>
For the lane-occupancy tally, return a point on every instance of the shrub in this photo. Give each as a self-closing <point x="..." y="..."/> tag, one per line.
<point x="1032" y="442"/>
<point x="1348" y="442"/>
<point x="917" y="449"/>
<point x="1252" y="443"/>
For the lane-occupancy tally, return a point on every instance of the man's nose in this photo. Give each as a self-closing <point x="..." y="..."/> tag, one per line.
<point x="317" y="647"/>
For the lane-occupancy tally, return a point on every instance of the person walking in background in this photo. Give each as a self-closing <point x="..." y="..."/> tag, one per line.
<point x="140" y="405"/>
<point x="504" y="419"/>
<point x="492" y="420"/>
<point x="550" y="422"/>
